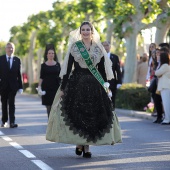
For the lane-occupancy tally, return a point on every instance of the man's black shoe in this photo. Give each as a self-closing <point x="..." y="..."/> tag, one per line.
<point x="2" y="125"/>
<point x="12" y="125"/>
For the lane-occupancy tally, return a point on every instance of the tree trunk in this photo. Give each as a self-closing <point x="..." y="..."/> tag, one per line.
<point x="109" y="31"/>
<point x="30" y="58"/>
<point x="39" y="61"/>
<point x="131" y="61"/>
<point x="60" y="51"/>
<point x="161" y="32"/>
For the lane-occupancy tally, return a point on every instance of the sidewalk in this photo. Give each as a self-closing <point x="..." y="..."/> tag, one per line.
<point x="133" y="113"/>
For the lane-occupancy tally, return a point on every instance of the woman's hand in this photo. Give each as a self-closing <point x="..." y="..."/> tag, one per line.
<point x="40" y="92"/>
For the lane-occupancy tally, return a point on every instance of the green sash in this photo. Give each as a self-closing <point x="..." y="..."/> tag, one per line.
<point x="85" y="55"/>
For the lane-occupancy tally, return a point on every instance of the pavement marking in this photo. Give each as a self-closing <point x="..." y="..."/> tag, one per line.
<point x="16" y="145"/>
<point x="27" y="154"/>
<point x="1" y="133"/>
<point x="6" y="138"/>
<point x="41" y="165"/>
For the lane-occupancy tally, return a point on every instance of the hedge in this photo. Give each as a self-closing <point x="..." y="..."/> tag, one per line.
<point x="132" y="96"/>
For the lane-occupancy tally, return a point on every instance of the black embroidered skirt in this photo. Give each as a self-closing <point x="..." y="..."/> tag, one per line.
<point x="86" y="108"/>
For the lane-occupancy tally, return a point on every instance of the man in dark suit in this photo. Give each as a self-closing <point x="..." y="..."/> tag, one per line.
<point x="10" y="83"/>
<point x="117" y="81"/>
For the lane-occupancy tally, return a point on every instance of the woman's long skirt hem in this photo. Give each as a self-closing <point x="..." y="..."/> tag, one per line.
<point x="58" y="131"/>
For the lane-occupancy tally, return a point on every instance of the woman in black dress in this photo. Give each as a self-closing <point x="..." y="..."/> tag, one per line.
<point x="49" y="78"/>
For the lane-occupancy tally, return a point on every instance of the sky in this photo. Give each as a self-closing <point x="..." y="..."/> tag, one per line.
<point x="16" y="12"/>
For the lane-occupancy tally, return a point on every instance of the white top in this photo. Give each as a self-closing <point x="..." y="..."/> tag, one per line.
<point x="163" y="74"/>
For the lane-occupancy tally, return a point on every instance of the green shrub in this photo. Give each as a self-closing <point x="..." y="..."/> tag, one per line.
<point x="132" y="96"/>
<point x="33" y="88"/>
<point x="25" y="85"/>
<point x="28" y="90"/>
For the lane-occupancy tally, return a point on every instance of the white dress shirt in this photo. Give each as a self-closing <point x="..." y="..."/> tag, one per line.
<point x="108" y="54"/>
<point x="11" y="60"/>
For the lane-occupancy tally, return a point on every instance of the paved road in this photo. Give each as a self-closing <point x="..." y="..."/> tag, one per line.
<point x="146" y="146"/>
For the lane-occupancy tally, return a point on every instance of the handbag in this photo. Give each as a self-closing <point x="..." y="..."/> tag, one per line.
<point x="153" y="85"/>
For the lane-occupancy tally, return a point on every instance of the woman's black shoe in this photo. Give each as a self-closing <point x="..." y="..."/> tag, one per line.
<point x="86" y="154"/>
<point x="78" y="151"/>
<point x="158" y="121"/>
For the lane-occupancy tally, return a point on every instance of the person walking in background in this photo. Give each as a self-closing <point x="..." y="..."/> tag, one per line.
<point x="117" y="81"/>
<point x="49" y="77"/>
<point x="163" y="74"/>
<point x="82" y="111"/>
<point x="142" y="69"/>
<point x="10" y="83"/>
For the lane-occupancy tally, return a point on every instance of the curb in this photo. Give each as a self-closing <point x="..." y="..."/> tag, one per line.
<point x="134" y="113"/>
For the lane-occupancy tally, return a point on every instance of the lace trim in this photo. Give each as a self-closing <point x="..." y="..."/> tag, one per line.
<point x="65" y="113"/>
<point x="95" y="55"/>
<point x="81" y="133"/>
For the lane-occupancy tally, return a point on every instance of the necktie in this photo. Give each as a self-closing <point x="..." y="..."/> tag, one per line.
<point x="9" y="66"/>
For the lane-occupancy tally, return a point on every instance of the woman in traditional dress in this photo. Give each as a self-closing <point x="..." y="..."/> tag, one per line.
<point x="82" y="112"/>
